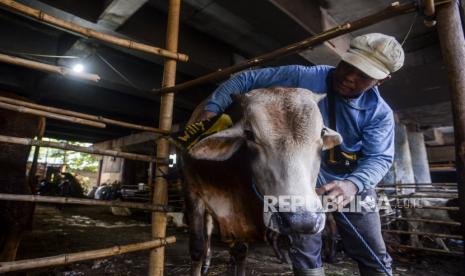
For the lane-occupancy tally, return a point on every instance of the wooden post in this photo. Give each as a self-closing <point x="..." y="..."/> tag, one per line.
<point x="453" y="51"/>
<point x="160" y="192"/>
<point x="35" y="159"/>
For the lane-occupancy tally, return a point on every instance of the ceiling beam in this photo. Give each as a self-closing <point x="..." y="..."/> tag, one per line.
<point x="118" y="12"/>
<point x="115" y="15"/>
<point x="313" y="18"/>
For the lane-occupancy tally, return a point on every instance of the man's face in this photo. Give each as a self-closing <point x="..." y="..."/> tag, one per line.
<point x="350" y="82"/>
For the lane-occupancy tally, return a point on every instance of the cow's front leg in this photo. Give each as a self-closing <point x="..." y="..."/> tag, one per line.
<point x="238" y="253"/>
<point x="196" y="216"/>
<point x="9" y="244"/>
<point x="208" y="251"/>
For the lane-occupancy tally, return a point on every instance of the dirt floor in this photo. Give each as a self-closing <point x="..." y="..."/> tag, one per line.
<point x="80" y="228"/>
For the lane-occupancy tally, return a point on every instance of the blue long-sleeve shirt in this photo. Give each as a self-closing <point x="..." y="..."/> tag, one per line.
<point x="366" y="123"/>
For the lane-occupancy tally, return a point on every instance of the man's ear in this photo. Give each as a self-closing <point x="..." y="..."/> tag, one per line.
<point x="330" y="138"/>
<point x="219" y="146"/>
<point x="384" y="80"/>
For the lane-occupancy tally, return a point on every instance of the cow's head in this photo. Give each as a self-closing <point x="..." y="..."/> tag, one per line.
<point x="283" y="131"/>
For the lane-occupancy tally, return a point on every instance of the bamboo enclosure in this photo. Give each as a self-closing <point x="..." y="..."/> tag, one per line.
<point x="166" y="114"/>
<point x="91" y="150"/>
<point x="66" y="72"/>
<point x="86" y="32"/>
<point x="83" y="256"/>
<point x="72" y="116"/>
<point x="82" y="201"/>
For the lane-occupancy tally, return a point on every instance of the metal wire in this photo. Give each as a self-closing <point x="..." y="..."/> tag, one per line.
<point x="121" y="75"/>
<point x="410" y="29"/>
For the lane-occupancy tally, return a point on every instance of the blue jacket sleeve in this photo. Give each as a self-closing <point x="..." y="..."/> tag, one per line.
<point x="377" y="151"/>
<point x="284" y="76"/>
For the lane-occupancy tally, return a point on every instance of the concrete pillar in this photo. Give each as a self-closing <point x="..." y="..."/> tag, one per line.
<point x="420" y="164"/>
<point x="401" y="170"/>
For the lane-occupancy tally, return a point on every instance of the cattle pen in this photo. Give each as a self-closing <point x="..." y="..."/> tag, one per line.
<point x="158" y="163"/>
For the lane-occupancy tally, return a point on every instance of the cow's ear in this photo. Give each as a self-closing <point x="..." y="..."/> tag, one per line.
<point x="318" y="97"/>
<point x="220" y="146"/>
<point x="330" y="138"/>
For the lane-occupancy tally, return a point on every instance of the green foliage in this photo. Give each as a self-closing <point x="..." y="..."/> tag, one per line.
<point x="74" y="160"/>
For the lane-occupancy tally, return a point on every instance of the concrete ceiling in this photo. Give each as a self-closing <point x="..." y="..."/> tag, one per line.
<point x="215" y="34"/>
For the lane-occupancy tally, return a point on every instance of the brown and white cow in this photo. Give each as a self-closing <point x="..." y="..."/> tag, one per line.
<point x="277" y="144"/>
<point x="15" y="217"/>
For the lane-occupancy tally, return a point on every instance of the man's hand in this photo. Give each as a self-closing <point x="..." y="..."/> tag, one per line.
<point x="339" y="191"/>
<point x="206" y="115"/>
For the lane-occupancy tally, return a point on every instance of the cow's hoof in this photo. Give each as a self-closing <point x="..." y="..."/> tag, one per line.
<point x="331" y="259"/>
<point x="205" y="269"/>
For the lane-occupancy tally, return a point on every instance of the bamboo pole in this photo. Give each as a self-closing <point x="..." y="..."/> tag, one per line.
<point x="47" y="67"/>
<point x="438" y="235"/>
<point x="395" y="9"/>
<point x="86" y="32"/>
<point x="160" y="192"/>
<point x="428" y="191"/>
<point x="27" y="110"/>
<point x="426" y="249"/>
<point x="83" y="256"/>
<point x="446" y="208"/>
<point x="453" y="52"/>
<point x="444" y="222"/>
<point x="91" y="150"/>
<point x="100" y="119"/>
<point x="429" y="8"/>
<point x="429" y="12"/>
<point x="35" y="159"/>
<point x="84" y="201"/>
<point x="423" y="196"/>
<point x="409" y="185"/>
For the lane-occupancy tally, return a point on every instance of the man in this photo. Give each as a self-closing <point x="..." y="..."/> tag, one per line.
<point x="356" y="110"/>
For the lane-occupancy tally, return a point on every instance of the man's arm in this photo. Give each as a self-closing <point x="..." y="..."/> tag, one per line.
<point x="285" y="76"/>
<point x="377" y="152"/>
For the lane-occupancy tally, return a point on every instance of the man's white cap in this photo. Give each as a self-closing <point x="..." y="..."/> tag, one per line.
<point x="376" y="55"/>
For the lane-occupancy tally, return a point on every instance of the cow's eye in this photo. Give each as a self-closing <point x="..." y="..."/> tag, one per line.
<point x="249" y="135"/>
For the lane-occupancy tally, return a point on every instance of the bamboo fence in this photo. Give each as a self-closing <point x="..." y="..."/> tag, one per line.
<point x="91" y="150"/>
<point x="83" y="256"/>
<point x="98" y="121"/>
<point x="83" y="201"/>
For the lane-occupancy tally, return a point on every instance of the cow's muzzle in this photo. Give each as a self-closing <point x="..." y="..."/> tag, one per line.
<point x="298" y="222"/>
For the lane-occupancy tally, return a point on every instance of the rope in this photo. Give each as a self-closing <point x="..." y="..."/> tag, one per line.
<point x="254" y="187"/>
<point x="365" y="243"/>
